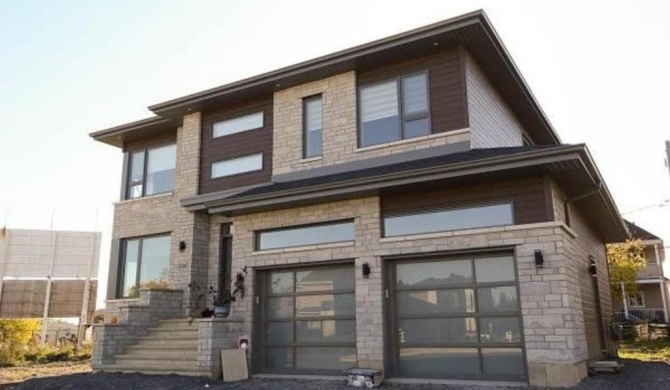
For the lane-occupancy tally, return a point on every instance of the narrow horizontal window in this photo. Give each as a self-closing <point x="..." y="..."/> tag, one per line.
<point x="238" y="125"/>
<point x="446" y="220"/>
<point x="305" y="235"/>
<point x="238" y="165"/>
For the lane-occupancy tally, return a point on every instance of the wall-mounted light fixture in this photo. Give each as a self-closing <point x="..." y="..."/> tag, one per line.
<point x="593" y="270"/>
<point x="366" y="270"/>
<point x="182" y="246"/>
<point x="539" y="259"/>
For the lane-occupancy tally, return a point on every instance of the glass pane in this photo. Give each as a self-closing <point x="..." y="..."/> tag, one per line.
<point x="325" y="358"/>
<point x="495" y="269"/>
<point x="313" y="114"/>
<point x="417" y="128"/>
<point x="281" y="283"/>
<point x="129" y="289"/>
<point x="445" y="220"/>
<point x="328" y="331"/>
<point x="160" y="169"/>
<point x="328" y="279"/>
<point x="279" y="333"/>
<point x="438" y="362"/>
<point x="500" y="330"/>
<point x="437" y="330"/>
<point x="433" y="274"/>
<point x="309" y="235"/>
<point x="279" y="358"/>
<point x="415" y="93"/>
<point x="325" y="305"/>
<point x="136" y="177"/>
<point x="314" y="143"/>
<point x="380" y="121"/>
<point x="436" y="301"/>
<point x="155" y="261"/>
<point x="280" y="308"/>
<point x="497" y="299"/>
<point x="236" y="166"/>
<point x="237" y="125"/>
<point x="503" y="361"/>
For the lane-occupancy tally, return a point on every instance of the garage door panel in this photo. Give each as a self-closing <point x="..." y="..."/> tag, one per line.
<point x="438" y="362"/>
<point x="436" y="301"/>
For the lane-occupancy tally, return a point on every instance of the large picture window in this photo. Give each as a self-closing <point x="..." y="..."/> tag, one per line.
<point x="395" y="109"/>
<point x="151" y="171"/>
<point x="145" y="263"/>
<point x="326" y="233"/>
<point x="431" y="221"/>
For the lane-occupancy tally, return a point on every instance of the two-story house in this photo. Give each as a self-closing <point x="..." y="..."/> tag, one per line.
<point x="403" y="205"/>
<point x="650" y="301"/>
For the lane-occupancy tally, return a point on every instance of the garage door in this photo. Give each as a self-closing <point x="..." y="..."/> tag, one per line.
<point x="308" y="320"/>
<point x="455" y="318"/>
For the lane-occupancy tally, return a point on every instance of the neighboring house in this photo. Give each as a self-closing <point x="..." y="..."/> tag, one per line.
<point x="403" y="205"/>
<point x="650" y="301"/>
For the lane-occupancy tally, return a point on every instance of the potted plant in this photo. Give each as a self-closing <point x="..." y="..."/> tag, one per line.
<point x="221" y="302"/>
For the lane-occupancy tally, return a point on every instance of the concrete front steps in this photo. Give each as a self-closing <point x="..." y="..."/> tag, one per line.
<point x="169" y="348"/>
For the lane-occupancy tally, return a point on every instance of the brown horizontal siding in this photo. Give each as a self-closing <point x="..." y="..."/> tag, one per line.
<point x="446" y="74"/>
<point x="162" y="139"/>
<point x="526" y="194"/>
<point x="236" y="145"/>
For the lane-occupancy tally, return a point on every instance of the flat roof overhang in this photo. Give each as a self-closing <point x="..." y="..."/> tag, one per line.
<point x="145" y="128"/>
<point x="472" y="31"/>
<point x="571" y="166"/>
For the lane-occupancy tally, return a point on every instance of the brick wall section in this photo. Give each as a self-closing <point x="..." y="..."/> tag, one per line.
<point x="340" y="128"/>
<point x="215" y="334"/>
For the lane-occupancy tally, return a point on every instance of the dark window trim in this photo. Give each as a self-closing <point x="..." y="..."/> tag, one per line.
<point x="211" y="166"/>
<point x="129" y="167"/>
<point x="122" y="263"/>
<point x="401" y="112"/>
<point x="305" y="131"/>
<point x="429" y="210"/>
<point x="225" y="258"/>
<point x="230" y="117"/>
<point x="257" y="233"/>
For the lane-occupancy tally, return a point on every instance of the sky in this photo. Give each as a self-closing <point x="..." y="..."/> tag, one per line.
<point x="599" y="69"/>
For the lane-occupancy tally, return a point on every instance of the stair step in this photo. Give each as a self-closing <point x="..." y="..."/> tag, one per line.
<point x="172" y="332"/>
<point x="164" y="350"/>
<point x="175" y="343"/>
<point x="177" y="324"/>
<point x="153" y="370"/>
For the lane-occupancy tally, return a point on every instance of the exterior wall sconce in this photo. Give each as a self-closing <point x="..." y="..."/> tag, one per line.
<point x="539" y="259"/>
<point x="182" y="246"/>
<point x="593" y="271"/>
<point x="366" y="270"/>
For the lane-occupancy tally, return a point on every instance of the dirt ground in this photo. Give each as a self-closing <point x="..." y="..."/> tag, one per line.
<point x="23" y="373"/>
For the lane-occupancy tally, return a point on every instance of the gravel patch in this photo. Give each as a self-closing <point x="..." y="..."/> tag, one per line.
<point x="635" y="375"/>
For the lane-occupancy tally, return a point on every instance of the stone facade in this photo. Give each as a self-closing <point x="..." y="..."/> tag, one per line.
<point x="340" y="129"/>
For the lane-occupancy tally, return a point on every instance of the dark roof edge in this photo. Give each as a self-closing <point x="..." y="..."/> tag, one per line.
<point x="485" y="163"/>
<point x="140" y="124"/>
<point x="342" y="55"/>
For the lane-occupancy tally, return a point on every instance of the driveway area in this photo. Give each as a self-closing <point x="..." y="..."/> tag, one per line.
<point x="636" y="375"/>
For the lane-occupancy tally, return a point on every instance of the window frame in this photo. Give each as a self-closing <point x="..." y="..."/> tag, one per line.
<point x="211" y="166"/>
<point x="258" y="233"/>
<point x="122" y="261"/>
<point x="128" y="172"/>
<point x="423" y="211"/>
<point x="305" y="130"/>
<point x="636" y="294"/>
<point x="402" y="117"/>
<point x="238" y="116"/>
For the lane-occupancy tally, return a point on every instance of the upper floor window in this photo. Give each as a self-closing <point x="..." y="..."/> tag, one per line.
<point x="312" y="126"/>
<point x="431" y="221"/>
<point x="151" y="171"/>
<point x="238" y="165"/>
<point x="394" y="109"/>
<point x="636" y="299"/>
<point x="145" y="262"/>
<point x="238" y="125"/>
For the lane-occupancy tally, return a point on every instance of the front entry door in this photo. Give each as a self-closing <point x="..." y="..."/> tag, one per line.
<point x="455" y="318"/>
<point x="308" y="320"/>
